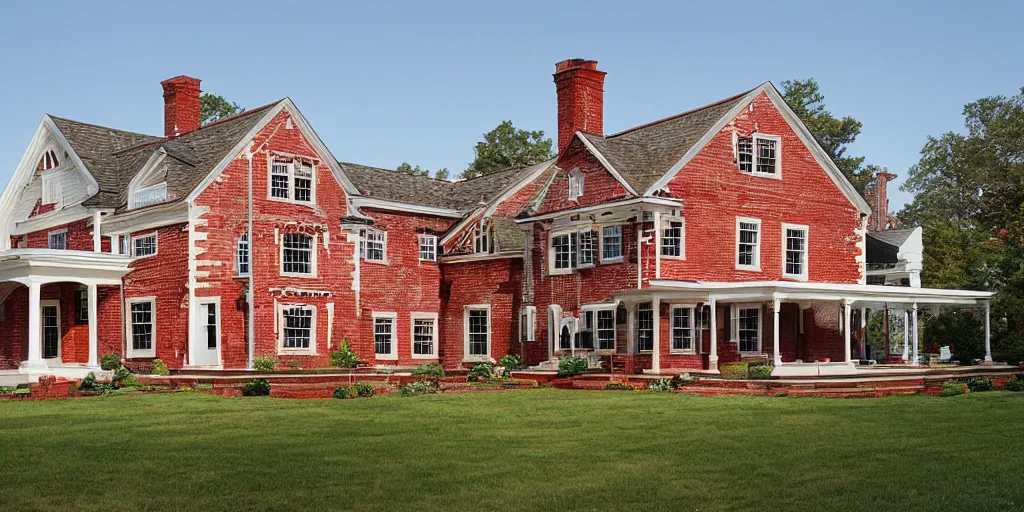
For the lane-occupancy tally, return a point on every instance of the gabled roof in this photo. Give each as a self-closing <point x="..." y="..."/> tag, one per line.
<point x="114" y="157"/>
<point x="893" y="237"/>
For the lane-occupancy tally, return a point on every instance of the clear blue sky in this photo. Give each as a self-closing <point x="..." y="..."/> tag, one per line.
<point x="385" y="82"/>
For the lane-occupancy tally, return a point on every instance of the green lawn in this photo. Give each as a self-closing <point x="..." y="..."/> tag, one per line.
<point x="521" y="450"/>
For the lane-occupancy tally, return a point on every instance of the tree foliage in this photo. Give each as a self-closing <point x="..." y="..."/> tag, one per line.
<point x="508" y="147"/>
<point x="833" y="134"/>
<point x="969" y="198"/>
<point x="214" y="107"/>
<point x="407" y="168"/>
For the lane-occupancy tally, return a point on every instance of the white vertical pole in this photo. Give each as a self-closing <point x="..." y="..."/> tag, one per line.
<point x="631" y="329"/>
<point x="776" y="306"/>
<point x="846" y="330"/>
<point x="863" y="345"/>
<point x="906" y="334"/>
<point x="656" y="356"/>
<point x="988" y="336"/>
<point x="97" y="238"/>
<point x="657" y="244"/>
<point x="93" y="319"/>
<point x="713" y="357"/>
<point x="35" y="326"/>
<point x="913" y="327"/>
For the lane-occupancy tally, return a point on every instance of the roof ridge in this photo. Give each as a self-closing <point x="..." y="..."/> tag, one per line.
<point x="51" y="116"/>
<point x="508" y="169"/>
<point x="681" y="114"/>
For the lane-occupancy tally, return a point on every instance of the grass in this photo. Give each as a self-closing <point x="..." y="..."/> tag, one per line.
<point x="518" y="450"/>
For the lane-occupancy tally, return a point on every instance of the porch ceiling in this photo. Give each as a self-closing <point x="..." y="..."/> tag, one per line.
<point x="50" y="265"/>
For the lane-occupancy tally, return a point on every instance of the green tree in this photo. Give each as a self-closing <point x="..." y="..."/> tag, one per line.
<point x="441" y="174"/>
<point x="508" y="147"/>
<point x="214" y="107"/>
<point x="969" y="198"/>
<point x="405" y="168"/>
<point x="806" y="99"/>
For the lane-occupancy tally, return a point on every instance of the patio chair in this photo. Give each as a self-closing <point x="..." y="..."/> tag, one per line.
<point x="946" y="356"/>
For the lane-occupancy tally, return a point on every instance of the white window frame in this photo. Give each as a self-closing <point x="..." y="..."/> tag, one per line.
<point x="528" y="327"/>
<point x="595" y="309"/>
<point x="754" y="138"/>
<point x="51" y="234"/>
<point x="364" y="242"/>
<point x="201" y="319"/>
<point x="802" y="276"/>
<point x="428" y="242"/>
<point x="692" y="327"/>
<point x="313" y="250"/>
<point x="52" y="192"/>
<point x="291" y="182"/>
<point x="482" y="241"/>
<point x="156" y="245"/>
<point x="636" y="329"/>
<point x="133" y="198"/>
<point x="735" y="327"/>
<point x="466" y="357"/>
<point x="243" y="238"/>
<point x="413" y="317"/>
<point x="131" y="351"/>
<point x="666" y="223"/>
<point x="576" y="184"/>
<point x="756" y="265"/>
<point x="574" y="249"/>
<point x="614" y="259"/>
<point x="281" y="350"/>
<point x="392" y="355"/>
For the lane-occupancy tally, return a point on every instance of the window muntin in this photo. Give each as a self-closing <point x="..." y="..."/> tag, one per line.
<point x="297" y="254"/>
<point x="428" y="247"/>
<point x="303" y="182"/>
<point x="564" y="256"/>
<point x="795" y="263"/>
<point x="144" y="245"/>
<point x="672" y="236"/>
<point x="242" y="255"/>
<point x="748" y="329"/>
<point x="478" y="332"/>
<point x="143" y="327"/>
<point x="149" y="196"/>
<point x="384" y="336"/>
<point x="611" y="243"/>
<point x="745" y="154"/>
<point x="298" y="328"/>
<point x="682" y="329"/>
<point x="572" y="250"/>
<point x="424" y="335"/>
<point x="702" y="318"/>
<point x="644" y="327"/>
<point x="482" y="243"/>
<point x="293" y="181"/>
<point x="605" y="332"/>
<point x="279" y="172"/>
<point x="748" y="244"/>
<point x="587" y="251"/>
<point x="49" y="160"/>
<point x="82" y="306"/>
<point x="58" y="239"/>
<point x="767" y="155"/>
<point x="373" y="244"/>
<point x="210" y="324"/>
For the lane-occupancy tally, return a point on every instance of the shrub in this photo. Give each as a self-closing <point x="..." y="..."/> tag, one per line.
<point x="343" y="392"/>
<point x="123" y="378"/>
<point x="89" y="382"/>
<point x="419" y="388"/>
<point x="621" y="386"/>
<point x="482" y="371"/>
<point x="571" y="366"/>
<point x="293" y="365"/>
<point x="111" y="361"/>
<point x="256" y="387"/>
<point x="344" y="357"/>
<point x="1015" y="384"/>
<point x="364" y="390"/>
<point x="686" y="378"/>
<point x="734" y="371"/>
<point x="264" y="364"/>
<point x="979" y="384"/>
<point x="761" y="371"/>
<point x="958" y="329"/>
<point x="953" y="388"/>
<point x="428" y="370"/>
<point x="159" y="368"/>
<point x="661" y="385"/>
<point x="511" y="362"/>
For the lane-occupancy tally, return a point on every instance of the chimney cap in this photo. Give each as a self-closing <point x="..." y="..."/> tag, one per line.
<point x="574" y="64"/>
<point x="181" y="80"/>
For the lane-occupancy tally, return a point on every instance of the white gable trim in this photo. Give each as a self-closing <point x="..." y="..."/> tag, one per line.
<point x="152" y="164"/>
<point x="382" y="204"/>
<point x="286" y="104"/>
<point x="604" y="161"/>
<point x="795" y="124"/>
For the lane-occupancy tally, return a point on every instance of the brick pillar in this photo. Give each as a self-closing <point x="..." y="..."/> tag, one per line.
<point x="580" y="88"/>
<point x="182" y="113"/>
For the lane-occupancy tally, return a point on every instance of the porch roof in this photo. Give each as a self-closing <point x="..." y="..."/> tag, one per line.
<point x="52" y="265"/>
<point x="805" y="291"/>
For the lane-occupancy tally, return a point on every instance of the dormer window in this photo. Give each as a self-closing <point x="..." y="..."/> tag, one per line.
<point x="482" y="243"/>
<point x="575" y="184"/>
<point x="148" y="196"/>
<point x="758" y="155"/>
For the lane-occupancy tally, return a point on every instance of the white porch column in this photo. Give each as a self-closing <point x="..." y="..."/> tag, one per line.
<point x="713" y="357"/>
<point x="863" y="345"/>
<point x="846" y="330"/>
<point x="988" y="335"/>
<point x="35" y="326"/>
<point x="97" y="238"/>
<point x="656" y="355"/>
<point x="657" y="244"/>
<point x="913" y="327"/>
<point x="906" y="335"/>
<point x="631" y="329"/>
<point x="93" y="320"/>
<point x="776" y="306"/>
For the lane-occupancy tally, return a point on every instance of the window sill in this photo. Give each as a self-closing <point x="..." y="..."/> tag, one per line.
<point x="610" y="261"/>
<point x="295" y="352"/>
<point x="774" y="176"/>
<point x="675" y="258"/>
<point x="310" y="204"/>
<point x="748" y="269"/>
<point x="478" y="359"/>
<point x="424" y="356"/>
<point x="690" y="352"/>
<point x="141" y="355"/>
<point x="241" y="276"/>
<point x="386" y="357"/>
<point x="376" y="262"/>
<point x="300" y="276"/>
<point x="793" y="277"/>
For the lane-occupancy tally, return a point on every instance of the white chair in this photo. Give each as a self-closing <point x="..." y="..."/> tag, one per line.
<point x="945" y="356"/>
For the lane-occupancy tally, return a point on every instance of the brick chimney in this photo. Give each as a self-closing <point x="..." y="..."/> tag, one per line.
<point x="880" y="214"/>
<point x="580" y="88"/>
<point x="182" y="113"/>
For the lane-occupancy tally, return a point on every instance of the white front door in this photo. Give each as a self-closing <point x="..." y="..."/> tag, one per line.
<point x="206" y="339"/>
<point x="50" y="316"/>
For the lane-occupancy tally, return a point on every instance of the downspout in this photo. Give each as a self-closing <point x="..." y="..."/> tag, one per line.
<point x="639" y="249"/>
<point x="251" y="295"/>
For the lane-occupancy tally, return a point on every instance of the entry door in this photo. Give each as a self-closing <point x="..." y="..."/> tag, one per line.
<point x="51" y="329"/>
<point x="206" y="342"/>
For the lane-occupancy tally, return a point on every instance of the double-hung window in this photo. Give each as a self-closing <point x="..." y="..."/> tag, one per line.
<point x="644" y="327"/>
<point x="242" y="255"/>
<point x="748" y="329"/>
<point x="673" y="236"/>
<point x="759" y="155"/>
<point x="142" y="330"/>
<point x="599" y="324"/>
<point x="82" y="306"/>
<point x="424" y="335"/>
<point x="570" y="250"/>
<point x="748" y="244"/>
<point x="611" y="243"/>
<point x="144" y="245"/>
<point x="587" y="254"/>
<point x="682" y="329"/>
<point x="373" y="245"/>
<point x="293" y="181"/>
<point x="428" y="247"/>
<point x="298" y="255"/>
<point x="745" y="154"/>
<point x="795" y="243"/>
<point x="58" y="239"/>
<point x="384" y="345"/>
<point x="477" y="332"/>
<point x="297" y="326"/>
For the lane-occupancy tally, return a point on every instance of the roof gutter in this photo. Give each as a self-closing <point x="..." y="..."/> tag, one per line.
<point x="383" y="204"/>
<point x="635" y="202"/>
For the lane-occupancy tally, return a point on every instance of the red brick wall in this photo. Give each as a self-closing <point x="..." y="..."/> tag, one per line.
<point x="14" y="329"/>
<point x="495" y="282"/>
<point x="599" y="186"/>
<point x="79" y="236"/>
<point x="227" y="219"/>
<point x="165" y="277"/>
<point x="402" y="285"/>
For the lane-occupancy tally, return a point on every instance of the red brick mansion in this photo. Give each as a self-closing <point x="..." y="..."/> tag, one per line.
<point x="718" y="234"/>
